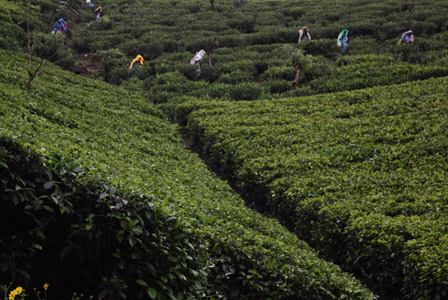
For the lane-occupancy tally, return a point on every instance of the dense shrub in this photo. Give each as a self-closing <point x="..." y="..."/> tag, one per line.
<point x="219" y="91"/>
<point x="345" y="170"/>
<point x="235" y="77"/>
<point x="325" y="47"/>
<point x="208" y="73"/>
<point x="245" y="91"/>
<point x="148" y="207"/>
<point x="168" y="33"/>
<point x="115" y="66"/>
<point x="285" y="73"/>
<point x="52" y="47"/>
<point x="244" y="24"/>
<point x="279" y="86"/>
<point x="88" y="230"/>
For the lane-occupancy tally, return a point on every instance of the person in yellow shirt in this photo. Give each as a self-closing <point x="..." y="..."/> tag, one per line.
<point x="99" y="12"/>
<point x="136" y="63"/>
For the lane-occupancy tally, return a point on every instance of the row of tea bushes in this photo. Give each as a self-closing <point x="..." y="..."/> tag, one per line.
<point x="185" y="25"/>
<point x="246" y="79"/>
<point x="139" y="215"/>
<point x="360" y="175"/>
<point x="170" y="32"/>
<point x="157" y="29"/>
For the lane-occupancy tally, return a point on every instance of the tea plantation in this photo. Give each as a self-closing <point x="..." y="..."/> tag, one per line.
<point x="360" y="175"/>
<point x="101" y="193"/>
<point x="96" y="184"/>
<point x="254" y="55"/>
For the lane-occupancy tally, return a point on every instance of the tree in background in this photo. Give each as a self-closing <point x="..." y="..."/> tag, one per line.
<point x="212" y="44"/>
<point x="33" y="71"/>
<point x="241" y="5"/>
<point x="69" y="9"/>
<point x="212" y="2"/>
<point x="410" y="4"/>
<point x="39" y="43"/>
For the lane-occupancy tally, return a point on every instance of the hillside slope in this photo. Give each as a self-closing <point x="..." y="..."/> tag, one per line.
<point x="360" y="175"/>
<point x="254" y="54"/>
<point x="102" y="164"/>
<point x="172" y="227"/>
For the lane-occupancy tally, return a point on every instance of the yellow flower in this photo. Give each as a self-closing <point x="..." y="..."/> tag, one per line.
<point x="46" y="286"/>
<point x="15" y="292"/>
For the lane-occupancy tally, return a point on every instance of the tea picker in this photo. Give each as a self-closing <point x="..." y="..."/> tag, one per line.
<point x="406" y="38"/>
<point x="343" y="41"/>
<point x="304" y="34"/>
<point x="89" y="3"/>
<point x="136" y="63"/>
<point x="60" y="26"/>
<point x="99" y="12"/>
<point x="195" y="60"/>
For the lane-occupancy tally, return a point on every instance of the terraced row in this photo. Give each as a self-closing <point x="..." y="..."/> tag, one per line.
<point x="360" y="175"/>
<point x="174" y="230"/>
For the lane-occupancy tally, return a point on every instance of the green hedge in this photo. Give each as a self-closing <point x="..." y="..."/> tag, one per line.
<point x="171" y="228"/>
<point x="357" y="174"/>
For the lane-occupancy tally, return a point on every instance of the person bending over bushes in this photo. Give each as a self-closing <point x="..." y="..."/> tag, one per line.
<point x="136" y="63"/>
<point x="304" y="35"/>
<point x="343" y="41"/>
<point x="406" y="38"/>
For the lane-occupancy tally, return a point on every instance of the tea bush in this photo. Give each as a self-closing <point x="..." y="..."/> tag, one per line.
<point x="249" y="63"/>
<point x="357" y="174"/>
<point x="11" y="35"/>
<point x="103" y="186"/>
<point x="250" y="41"/>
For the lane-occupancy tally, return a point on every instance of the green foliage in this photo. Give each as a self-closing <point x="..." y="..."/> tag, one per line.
<point x="142" y="216"/>
<point x="250" y="62"/>
<point x="245" y="91"/>
<point x="357" y="174"/>
<point x="11" y="35"/>
<point x="115" y="66"/>
<point x="90" y="225"/>
<point x="52" y="48"/>
<point x="285" y="73"/>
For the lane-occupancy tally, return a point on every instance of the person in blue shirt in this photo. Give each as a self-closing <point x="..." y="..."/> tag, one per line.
<point x="406" y="38"/>
<point x="60" y="26"/>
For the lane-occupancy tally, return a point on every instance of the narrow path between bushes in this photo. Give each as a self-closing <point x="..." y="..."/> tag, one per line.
<point x="252" y="202"/>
